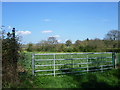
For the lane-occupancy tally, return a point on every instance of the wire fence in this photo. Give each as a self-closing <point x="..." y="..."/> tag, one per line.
<point x="71" y="63"/>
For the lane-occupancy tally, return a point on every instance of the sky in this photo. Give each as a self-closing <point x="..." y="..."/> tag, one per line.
<point x="36" y="21"/>
<point x="59" y="0"/>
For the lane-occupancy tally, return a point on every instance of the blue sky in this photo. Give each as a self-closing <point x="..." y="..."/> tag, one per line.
<point x="36" y="21"/>
<point x="59" y="0"/>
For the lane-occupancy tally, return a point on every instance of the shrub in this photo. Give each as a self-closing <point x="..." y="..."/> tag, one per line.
<point x="10" y="56"/>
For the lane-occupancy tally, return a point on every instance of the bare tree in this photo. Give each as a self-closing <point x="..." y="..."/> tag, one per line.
<point x="112" y="35"/>
<point x="52" y="40"/>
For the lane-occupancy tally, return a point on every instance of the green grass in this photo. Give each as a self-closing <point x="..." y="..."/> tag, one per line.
<point x="109" y="79"/>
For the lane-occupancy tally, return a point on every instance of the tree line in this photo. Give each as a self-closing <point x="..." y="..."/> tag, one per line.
<point x="111" y="42"/>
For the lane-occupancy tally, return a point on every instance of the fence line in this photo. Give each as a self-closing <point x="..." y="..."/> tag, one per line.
<point x="72" y="53"/>
<point x="86" y="68"/>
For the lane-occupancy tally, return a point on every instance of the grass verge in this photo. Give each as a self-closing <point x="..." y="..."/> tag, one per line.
<point x="109" y="79"/>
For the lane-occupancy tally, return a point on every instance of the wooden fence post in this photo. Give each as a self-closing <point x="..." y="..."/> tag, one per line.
<point x="13" y="32"/>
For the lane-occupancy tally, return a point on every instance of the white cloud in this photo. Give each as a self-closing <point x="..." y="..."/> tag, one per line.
<point x="59" y="40"/>
<point x="46" y="20"/>
<point x="56" y="36"/>
<point x="23" y="32"/>
<point x="47" y="31"/>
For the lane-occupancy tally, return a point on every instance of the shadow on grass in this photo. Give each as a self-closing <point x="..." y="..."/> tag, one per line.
<point x="90" y="80"/>
<point x="93" y="83"/>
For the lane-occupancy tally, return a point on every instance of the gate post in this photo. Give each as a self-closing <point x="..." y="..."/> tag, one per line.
<point x="113" y="59"/>
<point x="33" y="65"/>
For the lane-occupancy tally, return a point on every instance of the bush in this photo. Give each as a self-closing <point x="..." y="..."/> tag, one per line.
<point x="10" y="56"/>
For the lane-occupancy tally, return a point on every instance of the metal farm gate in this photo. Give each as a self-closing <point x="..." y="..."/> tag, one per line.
<point x="71" y="63"/>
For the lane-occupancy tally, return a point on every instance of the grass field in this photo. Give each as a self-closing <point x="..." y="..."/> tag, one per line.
<point x="89" y="80"/>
